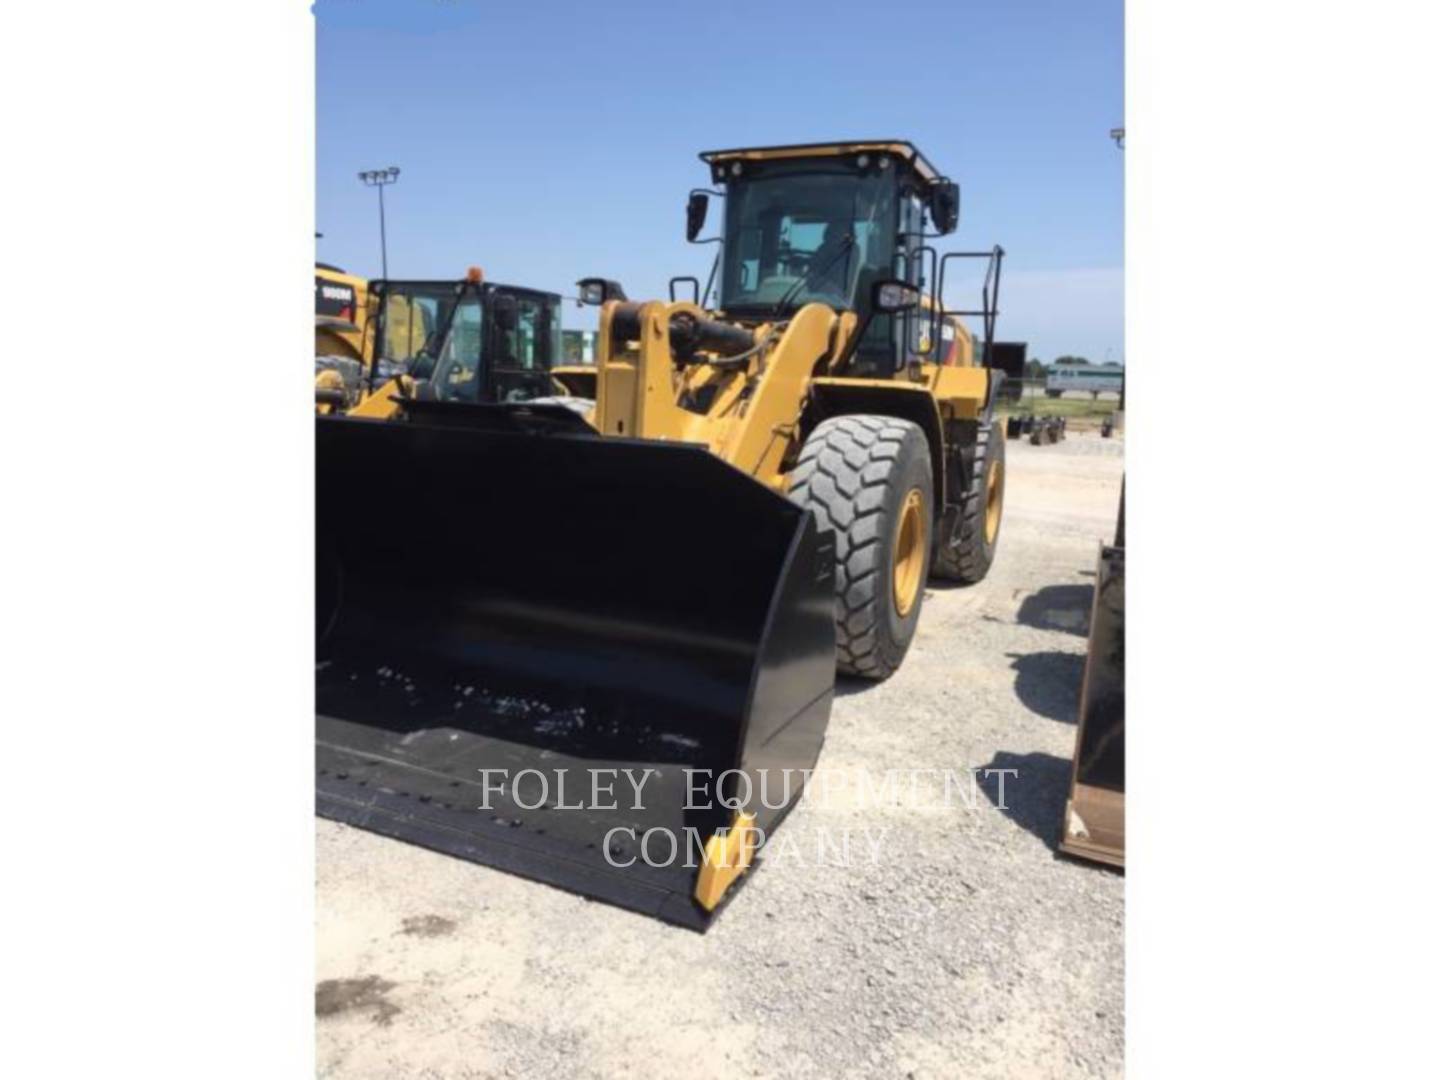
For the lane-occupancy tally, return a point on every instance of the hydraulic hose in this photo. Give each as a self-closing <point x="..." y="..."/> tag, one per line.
<point x="728" y="344"/>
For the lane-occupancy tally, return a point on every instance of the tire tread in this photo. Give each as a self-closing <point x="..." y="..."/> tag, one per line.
<point x="841" y="477"/>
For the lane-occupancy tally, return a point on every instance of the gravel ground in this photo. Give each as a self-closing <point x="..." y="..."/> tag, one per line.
<point x="966" y="949"/>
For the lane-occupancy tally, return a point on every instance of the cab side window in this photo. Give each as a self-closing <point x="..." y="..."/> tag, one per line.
<point x="526" y="346"/>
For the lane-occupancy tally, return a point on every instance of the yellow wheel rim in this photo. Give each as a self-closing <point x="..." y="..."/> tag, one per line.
<point x="994" y="499"/>
<point x="909" y="552"/>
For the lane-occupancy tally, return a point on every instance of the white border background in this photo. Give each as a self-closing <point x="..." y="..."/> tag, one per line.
<point x="158" y="207"/>
<point x="1282" y="240"/>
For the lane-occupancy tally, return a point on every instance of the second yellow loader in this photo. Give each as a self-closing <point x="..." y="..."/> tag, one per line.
<point x="433" y="334"/>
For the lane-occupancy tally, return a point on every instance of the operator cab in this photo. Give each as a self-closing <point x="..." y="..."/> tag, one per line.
<point x="466" y="341"/>
<point x="824" y="223"/>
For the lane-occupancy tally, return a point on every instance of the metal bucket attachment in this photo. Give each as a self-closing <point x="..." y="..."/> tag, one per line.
<point x="517" y="630"/>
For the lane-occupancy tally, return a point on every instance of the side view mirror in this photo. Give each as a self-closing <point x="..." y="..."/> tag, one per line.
<point x="594" y="291"/>
<point x="945" y="205"/>
<point x="695" y="211"/>
<point x="505" y="312"/>
<point x="892" y="296"/>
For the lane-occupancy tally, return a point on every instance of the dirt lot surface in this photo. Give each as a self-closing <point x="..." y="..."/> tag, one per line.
<point x="966" y="948"/>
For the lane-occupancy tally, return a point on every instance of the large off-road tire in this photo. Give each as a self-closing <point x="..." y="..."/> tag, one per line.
<point x="867" y="479"/>
<point x="981" y="509"/>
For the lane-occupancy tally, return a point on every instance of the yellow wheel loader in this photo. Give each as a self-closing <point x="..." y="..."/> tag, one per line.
<point x="829" y="376"/>
<point x="339" y="312"/>
<point x="663" y="586"/>
<point x="427" y="338"/>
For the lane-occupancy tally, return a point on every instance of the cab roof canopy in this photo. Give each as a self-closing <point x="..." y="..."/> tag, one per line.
<point x="904" y="150"/>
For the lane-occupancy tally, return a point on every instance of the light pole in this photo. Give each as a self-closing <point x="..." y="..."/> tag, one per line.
<point x="377" y="179"/>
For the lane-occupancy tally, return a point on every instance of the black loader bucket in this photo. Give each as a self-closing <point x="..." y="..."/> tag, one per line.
<point x="573" y="658"/>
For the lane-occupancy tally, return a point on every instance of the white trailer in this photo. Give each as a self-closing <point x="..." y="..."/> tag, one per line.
<point x="1092" y="379"/>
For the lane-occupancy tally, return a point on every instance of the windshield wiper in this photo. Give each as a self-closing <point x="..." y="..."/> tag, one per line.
<point x="843" y="248"/>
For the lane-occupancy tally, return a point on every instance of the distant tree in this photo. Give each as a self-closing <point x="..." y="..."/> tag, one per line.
<point x="1071" y="360"/>
<point x="1112" y="363"/>
<point x="1035" y="369"/>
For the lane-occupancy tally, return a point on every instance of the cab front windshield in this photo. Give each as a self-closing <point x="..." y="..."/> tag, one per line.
<point x="806" y="233"/>
<point x="454" y="368"/>
<point x="432" y="331"/>
<point x="412" y="321"/>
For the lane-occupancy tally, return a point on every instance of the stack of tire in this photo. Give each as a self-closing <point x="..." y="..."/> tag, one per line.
<point x="1048" y="431"/>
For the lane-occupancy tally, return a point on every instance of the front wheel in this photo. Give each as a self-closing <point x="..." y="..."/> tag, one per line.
<point x="867" y="480"/>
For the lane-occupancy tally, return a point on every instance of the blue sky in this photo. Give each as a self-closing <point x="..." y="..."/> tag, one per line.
<point x="549" y="141"/>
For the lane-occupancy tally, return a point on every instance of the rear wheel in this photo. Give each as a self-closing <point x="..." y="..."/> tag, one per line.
<point x="867" y="480"/>
<point x="981" y="509"/>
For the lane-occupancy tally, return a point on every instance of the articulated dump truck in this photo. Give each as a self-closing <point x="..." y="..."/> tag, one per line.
<point x="597" y="646"/>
